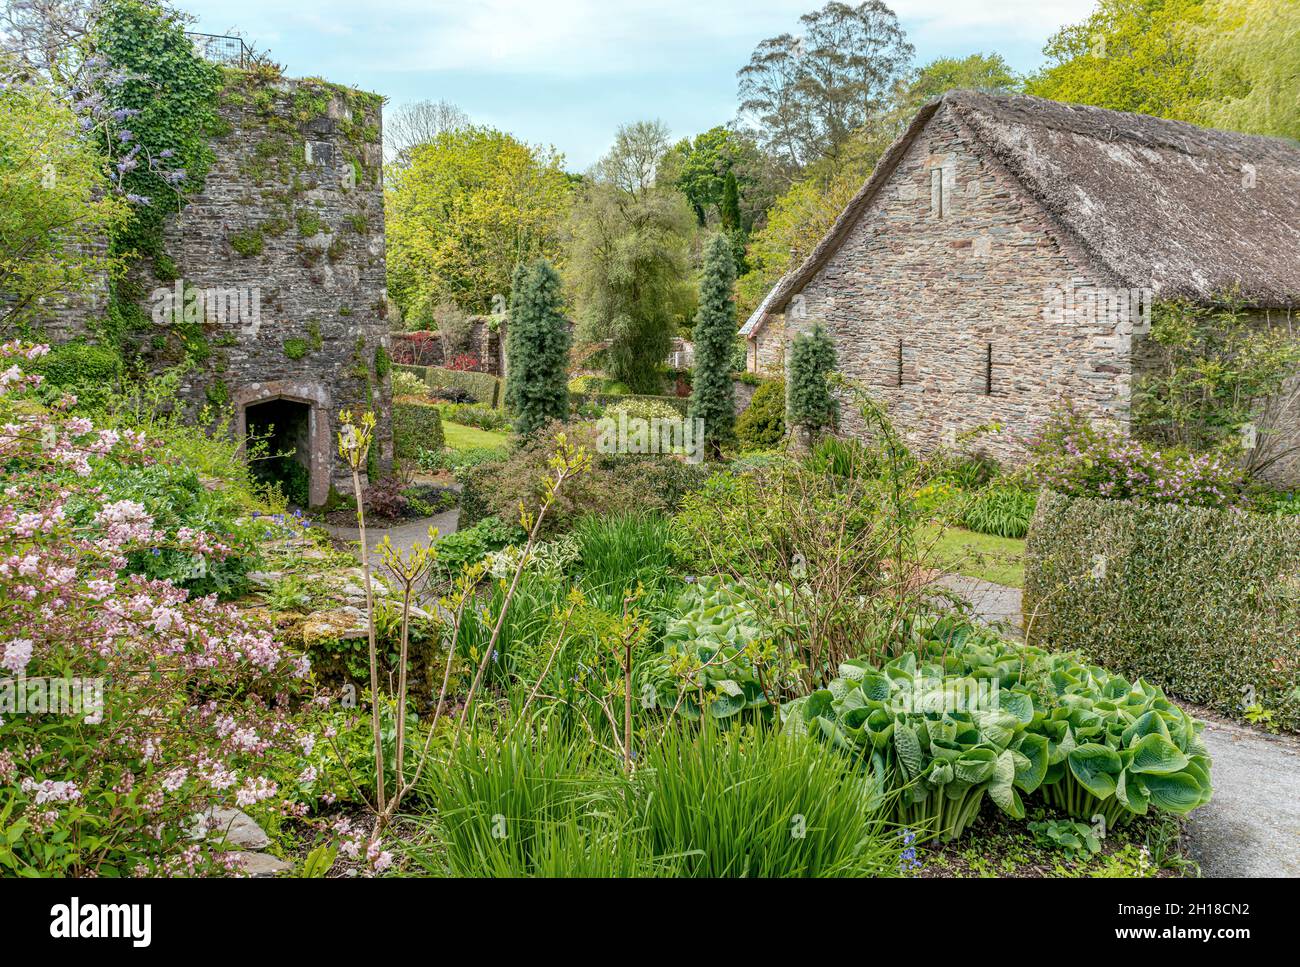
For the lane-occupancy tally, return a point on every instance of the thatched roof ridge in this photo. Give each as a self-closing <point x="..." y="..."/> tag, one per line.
<point x="1191" y="212"/>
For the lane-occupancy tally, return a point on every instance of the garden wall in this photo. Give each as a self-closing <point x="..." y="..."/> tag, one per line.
<point x="1203" y="602"/>
<point x="485" y="342"/>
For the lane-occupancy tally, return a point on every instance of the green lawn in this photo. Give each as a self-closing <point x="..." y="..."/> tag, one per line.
<point x="461" y="437"/>
<point x="996" y="559"/>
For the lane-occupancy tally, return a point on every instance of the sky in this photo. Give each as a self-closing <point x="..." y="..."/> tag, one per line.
<point x="567" y="72"/>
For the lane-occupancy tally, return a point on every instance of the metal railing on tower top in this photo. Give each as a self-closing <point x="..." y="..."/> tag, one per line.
<point x="221" y="48"/>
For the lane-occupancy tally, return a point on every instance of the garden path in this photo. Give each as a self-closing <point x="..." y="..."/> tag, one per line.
<point x="1252" y="825"/>
<point x="402" y="536"/>
<point x="991" y="604"/>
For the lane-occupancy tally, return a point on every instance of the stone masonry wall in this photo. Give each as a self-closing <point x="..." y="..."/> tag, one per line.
<point x="946" y="272"/>
<point x="288" y="234"/>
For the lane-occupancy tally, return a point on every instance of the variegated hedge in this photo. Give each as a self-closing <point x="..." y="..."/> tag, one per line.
<point x="1203" y="602"/>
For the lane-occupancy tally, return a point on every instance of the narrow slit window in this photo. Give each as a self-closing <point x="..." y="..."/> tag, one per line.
<point x="937" y="201"/>
<point x="899" y="376"/>
<point x="988" y="369"/>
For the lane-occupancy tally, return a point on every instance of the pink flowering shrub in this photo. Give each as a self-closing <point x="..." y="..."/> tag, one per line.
<point x="1073" y="456"/>
<point x="196" y="702"/>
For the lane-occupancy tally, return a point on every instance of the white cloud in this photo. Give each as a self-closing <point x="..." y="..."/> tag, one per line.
<point x="566" y="38"/>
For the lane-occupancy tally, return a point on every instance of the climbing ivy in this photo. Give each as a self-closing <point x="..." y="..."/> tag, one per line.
<point x="165" y="110"/>
<point x="162" y="106"/>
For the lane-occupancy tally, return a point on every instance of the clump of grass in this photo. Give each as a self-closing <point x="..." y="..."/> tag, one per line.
<point x="619" y="552"/>
<point x="751" y="802"/>
<point x="536" y="801"/>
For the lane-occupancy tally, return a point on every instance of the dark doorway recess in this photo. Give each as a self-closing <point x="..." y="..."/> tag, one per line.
<point x="279" y="446"/>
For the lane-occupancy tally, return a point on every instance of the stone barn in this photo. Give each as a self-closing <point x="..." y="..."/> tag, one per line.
<point x="1005" y="253"/>
<point x="270" y="292"/>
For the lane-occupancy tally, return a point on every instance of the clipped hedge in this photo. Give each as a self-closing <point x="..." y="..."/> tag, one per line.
<point x="484" y="387"/>
<point x="678" y="403"/>
<point x="88" y="371"/>
<point x="417" y="425"/>
<point x="1201" y="601"/>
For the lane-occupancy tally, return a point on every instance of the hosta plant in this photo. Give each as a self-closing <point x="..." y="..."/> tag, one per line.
<point x="946" y="728"/>
<point x="715" y="655"/>
<point x="964" y="713"/>
<point x="1118" y="749"/>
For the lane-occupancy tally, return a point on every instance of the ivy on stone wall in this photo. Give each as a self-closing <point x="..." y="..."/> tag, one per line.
<point x="164" y="109"/>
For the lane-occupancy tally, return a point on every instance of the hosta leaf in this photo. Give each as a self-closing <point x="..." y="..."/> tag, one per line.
<point x="1178" y="793"/>
<point x="1002" y="790"/>
<point x="875" y="687"/>
<point x="1031" y="765"/>
<point x="1096" y="767"/>
<point x="1132" y="792"/>
<point x="1148" y="723"/>
<point x="1018" y="704"/>
<point x="909" y="750"/>
<point x="976" y="766"/>
<point x="726" y="706"/>
<point x="1156" y="754"/>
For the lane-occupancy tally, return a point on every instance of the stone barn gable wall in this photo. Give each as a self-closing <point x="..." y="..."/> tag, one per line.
<point x="946" y="284"/>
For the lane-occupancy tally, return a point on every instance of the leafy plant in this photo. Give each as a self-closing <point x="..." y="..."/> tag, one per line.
<point x="1076" y="840"/>
<point x="761" y="425"/>
<point x="1004" y="510"/>
<point x="623" y="551"/>
<point x="290" y="593"/>
<point x="750" y="802"/>
<point x="964" y="712"/>
<point x="712" y="659"/>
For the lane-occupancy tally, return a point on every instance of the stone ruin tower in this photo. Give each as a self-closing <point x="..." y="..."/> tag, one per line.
<point x="273" y="281"/>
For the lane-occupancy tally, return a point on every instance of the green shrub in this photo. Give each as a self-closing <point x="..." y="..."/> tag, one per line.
<point x="484" y="387"/>
<point x="762" y="425"/>
<point x="644" y="408"/>
<point x="1201" y="601"/>
<point x="471" y="544"/>
<point x="1003" y="510"/>
<point x="597" y="385"/>
<point x="536" y="391"/>
<point x="614" y="484"/>
<point x="1073" y="455"/>
<point x="407" y="384"/>
<point x="89" y="372"/>
<point x="417" y="426"/>
<point x="175" y="496"/>
<point x="468" y="414"/>
<point x="605" y="401"/>
<point x="432" y="461"/>
<point x="964" y="713"/>
<point x="812" y="406"/>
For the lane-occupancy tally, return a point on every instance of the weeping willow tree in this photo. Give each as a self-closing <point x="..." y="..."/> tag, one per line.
<point x="1251" y="52"/>
<point x="627" y="257"/>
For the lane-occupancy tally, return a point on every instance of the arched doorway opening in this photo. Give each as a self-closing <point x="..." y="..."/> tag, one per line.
<point x="278" y="440"/>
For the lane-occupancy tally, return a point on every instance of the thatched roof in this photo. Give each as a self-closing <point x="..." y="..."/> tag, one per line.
<point x="1188" y="211"/>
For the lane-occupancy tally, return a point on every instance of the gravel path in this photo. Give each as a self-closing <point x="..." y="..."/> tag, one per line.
<point x="1252" y="825"/>
<point x="403" y="536"/>
<point x="991" y="604"/>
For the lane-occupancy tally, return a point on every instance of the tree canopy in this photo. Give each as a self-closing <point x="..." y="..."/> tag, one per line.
<point x="465" y="209"/>
<point x="627" y="256"/>
<point x="804" y="96"/>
